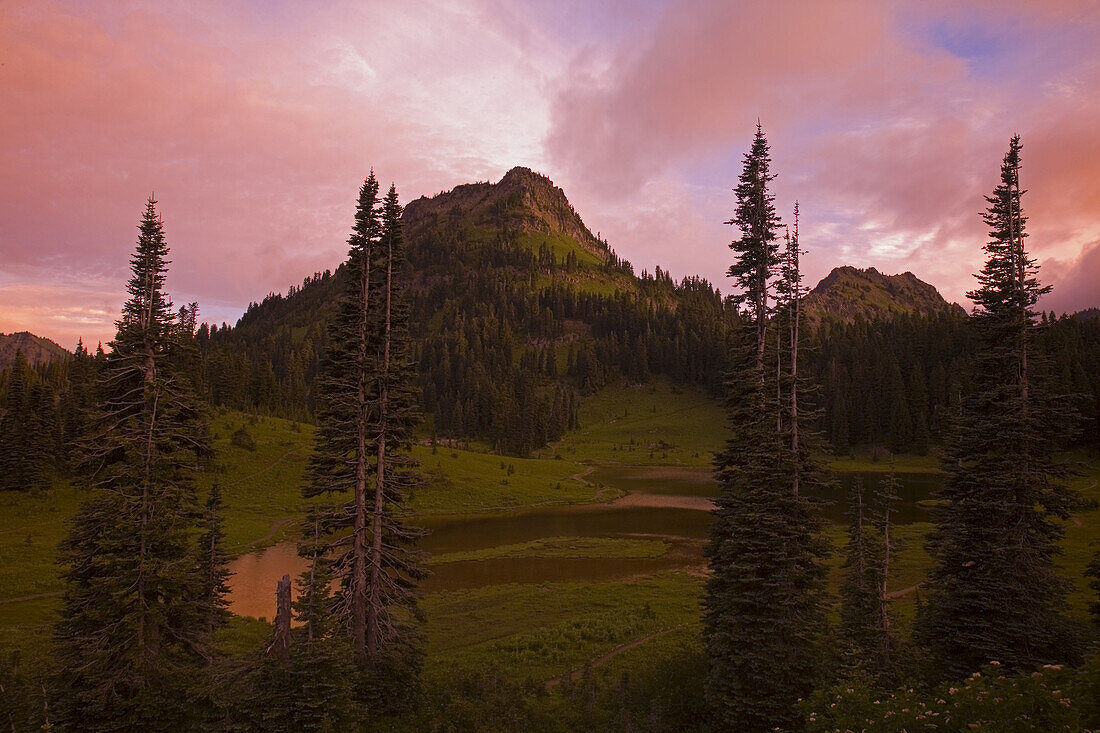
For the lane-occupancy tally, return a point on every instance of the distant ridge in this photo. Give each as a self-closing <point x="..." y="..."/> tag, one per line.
<point x="36" y="348"/>
<point x="1087" y="314"/>
<point x="848" y="292"/>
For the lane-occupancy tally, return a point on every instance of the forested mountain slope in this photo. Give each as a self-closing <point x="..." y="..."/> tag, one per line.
<point x="35" y="348"/>
<point x="848" y="292"/>
<point x="517" y="310"/>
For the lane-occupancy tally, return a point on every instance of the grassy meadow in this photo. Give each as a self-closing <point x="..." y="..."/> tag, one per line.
<point x="646" y="425"/>
<point x="535" y="631"/>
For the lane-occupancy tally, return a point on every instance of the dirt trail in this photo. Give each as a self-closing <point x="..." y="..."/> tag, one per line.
<point x="576" y="674"/>
<point x="279" y="524"/>
<point x="601" y="493"/>
<point x="903" y="592"/>
<point x="35" y="597"/>
<point x="580" y="475"/>
<point x="265" y="469"/>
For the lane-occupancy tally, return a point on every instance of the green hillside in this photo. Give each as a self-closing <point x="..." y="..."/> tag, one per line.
<point x="848" y="292"/>
<point x="518" y="311"/>
<point x="36" y="348"/>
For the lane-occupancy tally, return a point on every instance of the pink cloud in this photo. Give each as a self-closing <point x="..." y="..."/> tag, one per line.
<point x="889" y="141"/>
<point x="255" y="138"/>
<point x="1075" y="281"/>
<point x="255" y="128"/>
<point x="710" y="70"/>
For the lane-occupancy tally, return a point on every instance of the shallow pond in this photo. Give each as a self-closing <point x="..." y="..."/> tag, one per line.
<point x="698" y="481"/>
<point x="664" y="502"/>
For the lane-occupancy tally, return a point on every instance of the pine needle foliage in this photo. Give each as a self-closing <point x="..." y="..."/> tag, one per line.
<point x="132" y="623"/>
<point x="763" y="613"/>
<point x="310" y="688"/>
<point x="859" y="590"/>
<point x="994" y="593"/>
<point x="868" y="647"/>
<point x="213" y="564"/>
<point x="24" y="431"/>
<point x="367" y="411"/>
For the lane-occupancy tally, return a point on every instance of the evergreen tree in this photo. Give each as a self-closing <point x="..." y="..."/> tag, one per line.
<point x="42" y="437"/>
<point x="306" y="686"/>
<point x="131" y="625"/>
<point x="859" y="591"/>
<point x="1093" y="571"/>
<point x="918" y="411"/>
<point x="790" y="292"/>
<point x="23" y="445"/>
<point x="762" y="609"/>
<point x="868" y="645"/>
<point x="346" y="423"/>
<point x="393" y="643"/>
<point x="1004" y="496"/>
<point x="319" y="653"/>
<point x="77" y="402"/>
<point x="213" y="565"/>
<point x="885" y="500"/>
<point x="366" y="415"/>
<point x="757" y="249"/>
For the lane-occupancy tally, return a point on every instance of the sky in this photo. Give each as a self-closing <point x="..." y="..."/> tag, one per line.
<point x="253" y="122"/>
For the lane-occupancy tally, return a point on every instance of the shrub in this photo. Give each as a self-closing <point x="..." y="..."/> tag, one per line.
<point x="243" y="439"/>
<point x="1053" y="698"/>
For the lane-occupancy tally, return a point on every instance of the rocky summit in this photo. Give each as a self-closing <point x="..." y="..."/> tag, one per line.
<point x="848" y="292"/>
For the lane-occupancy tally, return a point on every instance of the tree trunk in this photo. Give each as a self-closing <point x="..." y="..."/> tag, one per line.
<point x="884" y="616"/>
<point x="861" y="563"/>
<point x="358" y="585"/>
<point x="778" y="381"/>
<point x="1016" y="241"/>
<point x="796" y="295"/>
<point x="375" y="606"/>
<point x="280" y="643"/>
<point x="148" y="632"/>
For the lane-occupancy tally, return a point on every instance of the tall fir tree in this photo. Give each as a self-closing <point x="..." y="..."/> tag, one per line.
<point x="77" y="401"/>
<point x="307" y="685"/>
<point x="43" y="438"/>
<point x="762" y="608"/>
<point x="319" y="652"/>
<point x="131" y="626"/>
<point x="1005" y="495"/>
<point x="213" y="564"/>
<point x="347" y="419"/>
<point x="393" y="644"/>
<point x="885" y="501"/>
<point x="758" y="248"/>
<point x="859" y="590"/>
<point x="366" y="415"/>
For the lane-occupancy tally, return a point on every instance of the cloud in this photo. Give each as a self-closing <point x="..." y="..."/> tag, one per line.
<point x="1075" y="282"/>
<point x="254" y="131"/>
<point x="710" y="70"/>
<point x="255" y="124"/>
<point x="887" y="120"/>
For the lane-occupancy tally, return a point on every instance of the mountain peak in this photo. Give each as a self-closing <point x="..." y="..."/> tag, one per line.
<point x="523" y="175"/>
<point x="522" y="201"/>
<point x="850" y="291"/>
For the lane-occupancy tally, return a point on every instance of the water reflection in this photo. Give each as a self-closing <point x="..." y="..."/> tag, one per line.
<point x="665" y="502"/>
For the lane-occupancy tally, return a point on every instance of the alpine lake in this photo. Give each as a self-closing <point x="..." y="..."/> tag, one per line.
<point x="665" y="506"/>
